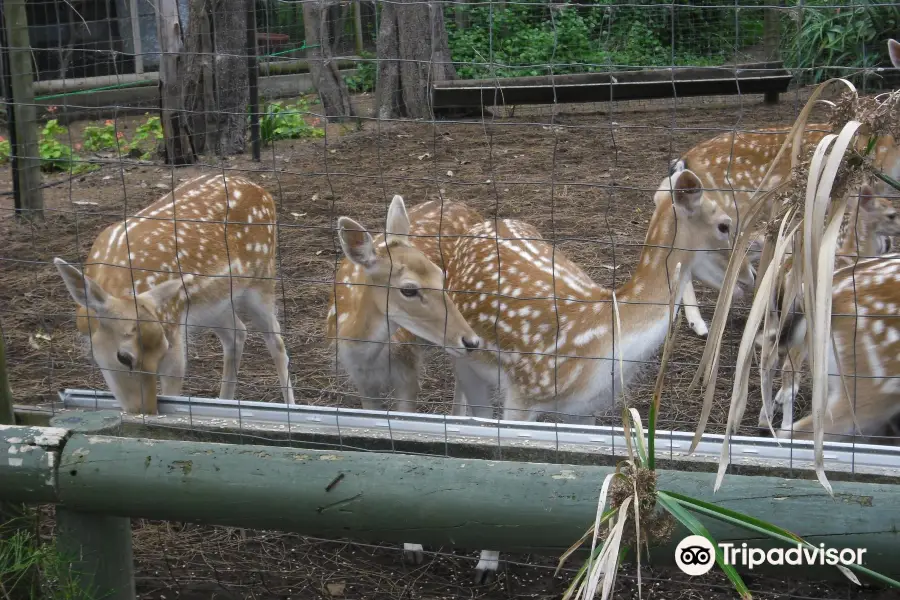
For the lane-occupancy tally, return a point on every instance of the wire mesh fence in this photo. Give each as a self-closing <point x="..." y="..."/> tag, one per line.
<point x="155" y="110"/>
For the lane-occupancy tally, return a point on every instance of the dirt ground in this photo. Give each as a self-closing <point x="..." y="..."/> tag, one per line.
<point x="197" y="563"/>
<point x="583" y="174"/>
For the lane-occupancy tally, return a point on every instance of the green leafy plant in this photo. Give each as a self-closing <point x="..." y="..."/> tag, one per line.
<point x="832" y="42"/>
<point x="22" y="552"/>
<point x="101" y="138"/>
<point x="151" y="130"/>
<point x="364" y="78"/>
<point x="5" y="149"/>
<point x="55" y="156"/>
<point x="287" y="122"/>
<point x="638" y="514"/>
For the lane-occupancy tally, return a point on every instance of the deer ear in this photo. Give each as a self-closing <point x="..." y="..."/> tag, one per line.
<point x="397" y="228"/>
<point x="688" y="190"/>
<point x="84" y="290"/>
<point x="866" y="197"/>
<point x="162" y="294"/>
<point x="356" y="242"/>
<point x="894" y="52"/>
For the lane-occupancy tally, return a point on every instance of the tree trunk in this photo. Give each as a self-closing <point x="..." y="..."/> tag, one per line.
<point x="413" y="53"/>
<point x="176" y="142"/>
<point x="327" y="79"/>
<point x="216" y="84"/>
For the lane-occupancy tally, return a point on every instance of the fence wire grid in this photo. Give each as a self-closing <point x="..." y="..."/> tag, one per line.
<point x="582" y="174"/>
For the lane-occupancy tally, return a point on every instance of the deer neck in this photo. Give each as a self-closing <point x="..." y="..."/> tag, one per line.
<point x="649" y="290"/>
<point x="858" y="239"/>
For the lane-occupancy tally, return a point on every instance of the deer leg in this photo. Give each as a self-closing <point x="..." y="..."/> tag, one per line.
<point x="790" y="383"/>
<point x="264" y="318"/>
<point x="692" y="311"/>
<point x="471" y="393"/>
<point x="404" y="378"/>
<point x="172" y="367"/>
<point x="232" y="333"/>
<point x="487" y="566"/>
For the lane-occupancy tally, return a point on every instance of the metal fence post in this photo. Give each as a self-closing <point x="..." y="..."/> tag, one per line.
<point x="97" y="546"/>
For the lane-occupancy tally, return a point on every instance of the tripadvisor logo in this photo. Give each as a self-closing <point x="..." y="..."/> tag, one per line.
<point x="695" y="555"/>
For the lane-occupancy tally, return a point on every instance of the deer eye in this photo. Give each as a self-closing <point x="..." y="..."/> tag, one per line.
<point x="410" y="291"/>
<point x="892" y="216"/>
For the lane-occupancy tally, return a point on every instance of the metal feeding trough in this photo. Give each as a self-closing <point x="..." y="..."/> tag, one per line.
<point x="769" y="78"/>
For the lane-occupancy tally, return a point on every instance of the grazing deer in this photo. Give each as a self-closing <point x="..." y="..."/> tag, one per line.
<point x="866" y="331"/>
<point x="732" y="165"/>
<point x="189" y="260"/>
<point x="868" y="226"/>
<point x="378" y="330"/>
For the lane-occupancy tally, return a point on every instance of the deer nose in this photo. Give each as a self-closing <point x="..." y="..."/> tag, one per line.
<point x="471" y="343"/>
<point x="125" y="359"/>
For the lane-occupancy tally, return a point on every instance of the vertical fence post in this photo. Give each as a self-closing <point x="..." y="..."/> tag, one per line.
<point x="27" y="161"/>
<point x="253" y="80"/>
<point x="98" y="547"/>
<point x="772" y="42"/>
<point x="357" y="27"/>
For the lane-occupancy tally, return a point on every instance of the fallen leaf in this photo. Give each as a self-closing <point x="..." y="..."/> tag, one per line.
<point x="43" y="336"/>
<point x="33" y="343"/>
<point x="449" y="173"/>
<point x="424" y="156"/>
<point x="298" y="215"/>
<point x="611" y="267"/>
<point x="84" y="203"/>
<point x="319" y="252"/>
<point x="336" y="589"/>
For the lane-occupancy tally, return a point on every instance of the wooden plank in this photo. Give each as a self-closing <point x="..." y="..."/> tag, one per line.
<point x="27" y="161"/>
<point x="458" y="97"/>
<point x="381" y="497"/>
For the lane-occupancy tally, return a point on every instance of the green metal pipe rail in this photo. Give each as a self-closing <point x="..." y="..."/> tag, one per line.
<point x="99" y="481"/>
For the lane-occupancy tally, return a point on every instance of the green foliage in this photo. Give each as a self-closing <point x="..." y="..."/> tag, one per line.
<point x="364" y="79"/>
<point x="151" y="130"/>
<point x="833" y="42"/>
<point x="287" y="122"/>
<point x="56" y="156"/>
<point x="100" y="138"/>
<point x="22" y="552"/>
<point x="537" y="39"/>
<point x="5" y="150"/>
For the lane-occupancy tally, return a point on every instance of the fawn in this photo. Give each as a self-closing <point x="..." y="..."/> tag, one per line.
<point x="189" y="260"/>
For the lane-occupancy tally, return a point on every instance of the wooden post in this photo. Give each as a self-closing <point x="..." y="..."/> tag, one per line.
<point x="27" y="159"/>
<point x="772" y="33"/>
<point x="7" y="417"/>
<point x="97" y="547"/>
<point x="136" y="36"/>
<point x="357" y="27"/>
<point x="177" y="142"/>
<point x="253" y="80"/>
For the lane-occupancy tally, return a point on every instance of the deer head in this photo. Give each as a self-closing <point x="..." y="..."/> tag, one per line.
<point x="404" y="285"/>
<point x="127" y="340"/>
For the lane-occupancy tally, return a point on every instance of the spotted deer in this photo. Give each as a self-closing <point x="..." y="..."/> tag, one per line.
<point x="552" y="343"/>
<point x="865" y="326"/>
<point x="731" y="167"/>
<point x="870" y="222"/>
<point x="190" y="260"/>
<point x="379" y="330"/>
<point x="389" y="297"/>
